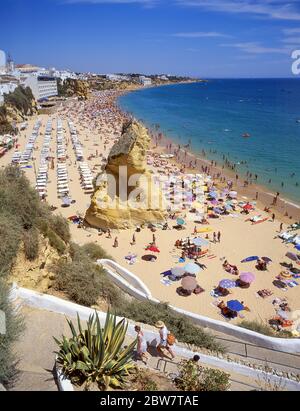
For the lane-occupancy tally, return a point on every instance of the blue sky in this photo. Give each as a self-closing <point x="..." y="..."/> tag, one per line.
<point x="206" y="38"/>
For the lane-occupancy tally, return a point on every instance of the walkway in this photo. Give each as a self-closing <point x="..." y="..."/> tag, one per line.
<point x="36" y="352"/>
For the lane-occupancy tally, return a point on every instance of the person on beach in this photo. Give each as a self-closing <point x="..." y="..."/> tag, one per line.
<point x="273" y="217"/>
<point x="153" y="239"/>
<point x="214" y="237"/>
<point x="116" y="243"/>
<point x="164" y="339"/>
<point x="219" y="236"/>
<point x="133" y="239"/>
<point x="108" y="234"/>
<point x="141" y="345"/>
<point x="281" y="227"/>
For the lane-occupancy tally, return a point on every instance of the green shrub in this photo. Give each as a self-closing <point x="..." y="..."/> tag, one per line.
<point x="31" y="243"/>
<point x="95" y="252"/>
<point x="84" y="282"/>
<point x="10" y="236"/>
<point x="17" y="197"/>
<point x="96" y="354"/>
<point x="257" y="326"/>
<point x="60" y="226"/>
<point x="194" y="377"/>
<point x="14" y="327"/>
<point x="56" y="242"/>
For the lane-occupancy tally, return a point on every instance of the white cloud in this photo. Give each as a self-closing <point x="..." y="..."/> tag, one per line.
<point x="289" y="32"/>
<point x="257" y="48"/>
<point x="274" y="9"/>
<point x="199" y="34"/>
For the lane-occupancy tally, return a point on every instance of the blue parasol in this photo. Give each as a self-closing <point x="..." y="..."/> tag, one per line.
<point x="191" y="268"/>
<point x="227" y="284"/>
<point x="235" y="305"/>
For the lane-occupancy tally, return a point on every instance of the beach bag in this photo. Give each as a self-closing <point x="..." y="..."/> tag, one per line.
<point x="171" y="339"/>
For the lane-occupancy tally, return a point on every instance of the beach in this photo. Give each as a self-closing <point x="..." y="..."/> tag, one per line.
<point x="98" y="122"/>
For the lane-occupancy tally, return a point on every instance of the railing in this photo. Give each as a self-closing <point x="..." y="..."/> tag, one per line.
<point x="246" y="353"/>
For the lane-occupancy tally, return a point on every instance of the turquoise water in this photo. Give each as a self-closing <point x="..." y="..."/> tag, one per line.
<point x="215" y="115"/>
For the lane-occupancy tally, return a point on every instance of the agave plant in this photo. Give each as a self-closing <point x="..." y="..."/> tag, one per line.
<point x="95" y="354"/>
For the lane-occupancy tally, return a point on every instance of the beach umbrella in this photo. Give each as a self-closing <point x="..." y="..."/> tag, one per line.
<point x="180" y="221"/>
<point x="247" y="277"/>
<point x="177" y="271"/>
<point x="189" y="283"/>
<point x="248" y="259"/>
<point x="214" y="202"/>
<point x="233" y="194"/>
<point x="235" y="305"/>
<point x="227" y="284"/>
<point x="200" y="242"/>
<point x="191" y="268"/>
<point x="266" y="259"/>
<point x="292" y="256"/>
<point x="297" y="247"/>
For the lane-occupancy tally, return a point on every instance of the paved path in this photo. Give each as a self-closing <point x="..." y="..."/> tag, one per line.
<point x="36" y="352"/>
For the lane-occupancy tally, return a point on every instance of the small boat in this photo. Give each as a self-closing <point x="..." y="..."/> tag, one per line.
<point x="298" y="121"/>
<point x="246" y="135"/>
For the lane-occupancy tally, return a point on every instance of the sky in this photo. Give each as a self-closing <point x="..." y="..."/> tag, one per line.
<point x="201" y="38"/>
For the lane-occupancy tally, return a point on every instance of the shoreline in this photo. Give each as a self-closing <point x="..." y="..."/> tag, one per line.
<point x="265" y="197"/>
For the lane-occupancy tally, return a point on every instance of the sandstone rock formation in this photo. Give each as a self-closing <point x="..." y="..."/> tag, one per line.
<point x="37" y="274"/>
<point x="129" y="197"/>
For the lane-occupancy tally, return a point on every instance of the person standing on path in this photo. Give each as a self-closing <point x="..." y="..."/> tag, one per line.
<point x="163" y="339"/>
<point x="141" y="345"/>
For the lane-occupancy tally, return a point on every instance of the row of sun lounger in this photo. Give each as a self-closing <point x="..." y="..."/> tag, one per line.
<point x="86" y="177"/>
<point x="24" y="157"/>
<point x="42" y="176"/>
<point x="75" y="142"/>
<point x="61" y="171"/>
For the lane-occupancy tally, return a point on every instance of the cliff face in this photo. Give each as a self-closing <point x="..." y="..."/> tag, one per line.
<point x="17" y="106"/>
<point x="72" y="87"/>
<point x="37" y="274"/>
<point x="132" y="198"/>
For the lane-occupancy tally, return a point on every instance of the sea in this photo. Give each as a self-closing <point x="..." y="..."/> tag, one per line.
<point x="215" y="115"/>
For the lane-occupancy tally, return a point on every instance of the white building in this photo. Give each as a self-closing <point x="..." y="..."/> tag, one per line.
<point x="2" y="62"/>
<point x="64" y="74"/>
<point x="42" y="86"/>
<point x="145" y="81"/>
<point x="117" y="77"/>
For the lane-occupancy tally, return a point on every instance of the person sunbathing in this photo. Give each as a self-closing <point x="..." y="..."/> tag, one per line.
<point x="261" y="265"/>
<point x="230" y="268"/>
